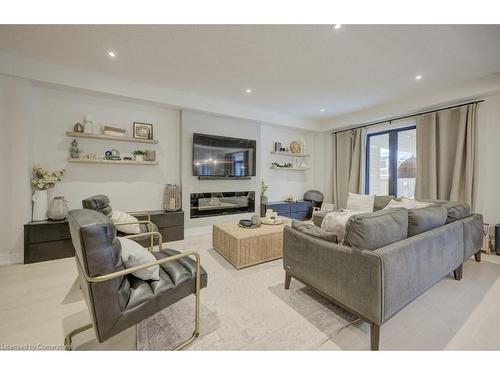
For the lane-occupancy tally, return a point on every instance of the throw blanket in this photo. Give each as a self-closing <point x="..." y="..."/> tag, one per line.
<point x="335" y="222"/>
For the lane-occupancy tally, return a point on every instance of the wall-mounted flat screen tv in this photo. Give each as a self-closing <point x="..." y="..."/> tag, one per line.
<point x="216" y="156"/>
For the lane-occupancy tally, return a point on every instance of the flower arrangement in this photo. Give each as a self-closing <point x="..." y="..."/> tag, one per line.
<point x="43" y="179"/>
<point x="139" y="152"/>
<point x="263" y="188"/>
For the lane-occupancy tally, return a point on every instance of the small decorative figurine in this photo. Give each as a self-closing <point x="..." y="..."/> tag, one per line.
<point x="74" y="150"/>
<point x="78" y="128"/>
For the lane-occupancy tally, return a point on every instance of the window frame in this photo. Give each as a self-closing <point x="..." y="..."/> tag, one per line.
<point x="393" y="159"/>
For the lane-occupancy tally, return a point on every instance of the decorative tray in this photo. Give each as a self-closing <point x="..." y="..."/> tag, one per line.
<point x="275" y="222"/>
<point x="251" y="227"/>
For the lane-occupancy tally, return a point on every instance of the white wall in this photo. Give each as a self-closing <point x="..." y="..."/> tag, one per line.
<point x="15" y="165"/>
<point x="129" y="187"/>
<point x="35" y="116"/>
<point x="281" y="182"/>
<point x="488" y="197"/>
<point x="196" y="122"/>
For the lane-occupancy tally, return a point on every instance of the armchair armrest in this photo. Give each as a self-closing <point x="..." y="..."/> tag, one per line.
<point x="140" y="214"/>
<point x="127" y="271"/>
<point x="151" y="234"/>
<point x="147" y="222"/>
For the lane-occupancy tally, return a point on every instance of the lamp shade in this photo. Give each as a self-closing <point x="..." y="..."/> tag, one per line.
<point x="408" y="168"/>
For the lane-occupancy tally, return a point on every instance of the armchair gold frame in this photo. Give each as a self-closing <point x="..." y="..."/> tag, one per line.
<point x="97" y="279"/>
<point x="148" y="222"/>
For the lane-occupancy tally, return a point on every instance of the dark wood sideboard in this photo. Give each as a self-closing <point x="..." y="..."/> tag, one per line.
<point x="299" y="210"/>
<point x="49" y="240"/>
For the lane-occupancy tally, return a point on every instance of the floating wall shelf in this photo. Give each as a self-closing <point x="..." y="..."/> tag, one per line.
<point x="104" y="161"/>
<point x="291" y="168"/>
<point x="110" y="137"/>
<point x="289" y="154"/>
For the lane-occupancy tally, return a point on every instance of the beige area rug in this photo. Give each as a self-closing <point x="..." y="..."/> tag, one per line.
<point x="232" y="323"/>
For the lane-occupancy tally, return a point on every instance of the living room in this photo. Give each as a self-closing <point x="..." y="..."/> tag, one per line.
<point x="210" y="186"/>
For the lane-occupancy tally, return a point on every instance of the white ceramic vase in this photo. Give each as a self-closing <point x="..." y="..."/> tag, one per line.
<point x="58" y="209"/>
<point x="139" y="157"/>
<point x="40" y="205"/>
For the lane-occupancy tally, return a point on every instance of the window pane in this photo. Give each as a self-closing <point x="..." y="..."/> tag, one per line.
<point x="378" y="173"/>
<point x="407" y="163"/>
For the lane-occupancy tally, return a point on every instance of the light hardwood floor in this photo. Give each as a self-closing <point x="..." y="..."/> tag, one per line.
<point x="40" y="302"/>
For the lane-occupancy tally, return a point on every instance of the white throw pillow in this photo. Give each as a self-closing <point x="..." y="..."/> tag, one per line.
<point x="134" y="254"/>
<point x="360" y="202"/>
<point x="122" y="217"/>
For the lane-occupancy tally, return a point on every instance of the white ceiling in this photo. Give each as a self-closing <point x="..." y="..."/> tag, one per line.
<point x="294" y="70"/>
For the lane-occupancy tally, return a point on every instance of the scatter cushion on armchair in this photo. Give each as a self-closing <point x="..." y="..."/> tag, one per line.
<point x="134" y="255"/>
<point x="119" y="217"/>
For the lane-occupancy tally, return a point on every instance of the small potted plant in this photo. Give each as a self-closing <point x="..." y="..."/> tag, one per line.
<point x="139" y="155"/>
<point x="263" y="189"/>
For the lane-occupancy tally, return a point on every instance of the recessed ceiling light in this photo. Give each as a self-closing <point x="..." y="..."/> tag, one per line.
<point x="111" y="54"/>
<point x="337" y="26"/>
<point x="322" y="110"/>
<point x="248" y="91"/>
<point x="418" y="77"/>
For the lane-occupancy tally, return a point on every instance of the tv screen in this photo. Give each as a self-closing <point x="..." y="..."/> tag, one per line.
<point x="223" y="156"/>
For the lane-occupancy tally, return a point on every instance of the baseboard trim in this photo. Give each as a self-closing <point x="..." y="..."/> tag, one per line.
<point x="10" y="259"/>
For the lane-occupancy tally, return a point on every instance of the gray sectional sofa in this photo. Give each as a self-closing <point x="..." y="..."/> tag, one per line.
<point x="385" y="260"/>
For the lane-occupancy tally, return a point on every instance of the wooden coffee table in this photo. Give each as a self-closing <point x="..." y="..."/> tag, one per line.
<point x="244" y="247"/>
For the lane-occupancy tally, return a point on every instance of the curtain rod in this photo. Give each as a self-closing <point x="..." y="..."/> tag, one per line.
<point x="407" y="116"/>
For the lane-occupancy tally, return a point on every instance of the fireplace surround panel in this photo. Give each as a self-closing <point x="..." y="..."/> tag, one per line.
<point x="221" y="203"/>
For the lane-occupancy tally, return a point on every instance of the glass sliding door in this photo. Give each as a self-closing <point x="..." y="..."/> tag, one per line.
<point x="391" y="162"/>
<point x="406" y="163"/>
<point x="378" y="164"/>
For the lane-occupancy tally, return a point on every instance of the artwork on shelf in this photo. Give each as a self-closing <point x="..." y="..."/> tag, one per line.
<point x="143" y="130"/>
<point x="295" y="147"/>
<point x="113" y="131"/>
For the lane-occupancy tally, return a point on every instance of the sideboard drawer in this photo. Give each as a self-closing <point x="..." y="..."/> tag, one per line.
<point x="301" y="206"/>
<point x="168" y="219"/>
<point x="282" y="208"/>
<point x="43" y="251"/>
<point x="49" y="232"/>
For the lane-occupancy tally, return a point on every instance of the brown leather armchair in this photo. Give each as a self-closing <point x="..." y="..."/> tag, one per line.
<point x="115" y="298"/>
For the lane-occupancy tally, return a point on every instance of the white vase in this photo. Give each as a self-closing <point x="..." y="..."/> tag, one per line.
<point x="139" y="157"/>
<point x="40" y="205"/>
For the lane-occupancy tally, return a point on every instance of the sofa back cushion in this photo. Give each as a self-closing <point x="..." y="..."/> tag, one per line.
<point x="376" y="229"/>
<point x="456" y="210"/>
<point x="381" y="201"/>
<point x="314" y="231"/>
<point x="426" y="218"/>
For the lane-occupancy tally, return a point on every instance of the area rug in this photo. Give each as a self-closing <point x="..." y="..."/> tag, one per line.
<point x="169" y="327"/>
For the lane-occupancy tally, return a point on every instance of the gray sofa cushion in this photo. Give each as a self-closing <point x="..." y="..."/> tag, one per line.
<point x="313" y="230"/>
<point x="456" y="210"/>
<point x="426" y="218"/>
<point x="376" y="229"/>
<point x="381" y="201"/>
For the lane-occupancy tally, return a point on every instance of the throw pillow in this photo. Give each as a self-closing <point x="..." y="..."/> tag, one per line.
<point x="134" y="255"/>
<point x="122" y="217"/>
<point x="360" y="202"/>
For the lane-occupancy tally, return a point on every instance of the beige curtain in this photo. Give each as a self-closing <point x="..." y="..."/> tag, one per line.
<point x="446" y="155"/>
<point x="347" y="165"/>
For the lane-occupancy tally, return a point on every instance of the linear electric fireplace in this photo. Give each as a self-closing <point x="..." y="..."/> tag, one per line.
<point x="222" y="203"/>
